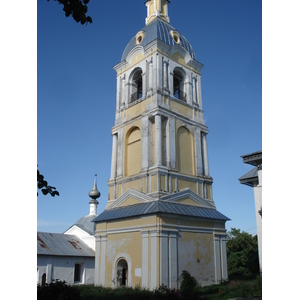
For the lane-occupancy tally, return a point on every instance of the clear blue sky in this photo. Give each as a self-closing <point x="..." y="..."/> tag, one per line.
<point x="76" y="92"/>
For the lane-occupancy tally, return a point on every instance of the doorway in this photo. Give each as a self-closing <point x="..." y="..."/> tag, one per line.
<point x="122" y="273"/>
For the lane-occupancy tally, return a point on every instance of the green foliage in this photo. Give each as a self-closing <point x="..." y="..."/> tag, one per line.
<point x="163" y="292"/>
<point x="89" y="292"/>
<point x="230" y="289"/>
<point x="188" y="284"/>
<point x="242" y="254"/>
<point x="76" y="8"/>
<point x="44" y="187"/>
<point x="57" y="290"/>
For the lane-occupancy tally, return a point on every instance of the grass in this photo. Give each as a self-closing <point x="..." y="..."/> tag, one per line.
<point x="230" y="289"/>
<point x="225" y="290"/>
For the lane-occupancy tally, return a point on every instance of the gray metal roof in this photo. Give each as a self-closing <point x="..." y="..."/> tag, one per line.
<point x="250" y="178"/>
<point x="87" y="224"/>
<point x="62" y="245"/>
<point x="254" y="158"/>
<point x="159" y="206"/>
<point x="159" y="29"/>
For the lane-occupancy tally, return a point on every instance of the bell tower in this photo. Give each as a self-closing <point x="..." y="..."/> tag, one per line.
<point x="159" y="136"/>
<point x="160" y="217"/>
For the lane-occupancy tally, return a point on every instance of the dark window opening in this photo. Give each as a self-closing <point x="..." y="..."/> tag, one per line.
<point x="44" y="279"/>
<point x="178" y="87"/>
<point x="137" y="86"/>
<point x="77" y="273"/>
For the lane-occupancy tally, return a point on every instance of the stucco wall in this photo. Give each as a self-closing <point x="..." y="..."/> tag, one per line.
<point x="62" y="268"/>
<point x="196" y="255"/>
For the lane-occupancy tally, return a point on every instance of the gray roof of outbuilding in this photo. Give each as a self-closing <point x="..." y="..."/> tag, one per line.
<point x="62" y="245"/>
<point x="87" y="224"/>
<point x="154" y="207"/>
<point x="158" y="29"/>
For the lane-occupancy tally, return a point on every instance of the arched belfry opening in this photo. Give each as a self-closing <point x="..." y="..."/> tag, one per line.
<point x="133" y="162"/>
<point x="122" y="273"/>
<point x="178" y="84"/>
<point x="136" y="85"/>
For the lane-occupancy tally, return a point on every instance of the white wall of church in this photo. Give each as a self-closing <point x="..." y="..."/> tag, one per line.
<point x="63" y="268"/>
<point x="258" y="206"/>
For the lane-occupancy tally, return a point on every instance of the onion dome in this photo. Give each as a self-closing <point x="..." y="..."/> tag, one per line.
<point x="94" y="193"/>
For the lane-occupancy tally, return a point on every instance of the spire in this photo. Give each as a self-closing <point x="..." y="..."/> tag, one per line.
<point x="94" y="194"/>
<point x="157" y="8"/>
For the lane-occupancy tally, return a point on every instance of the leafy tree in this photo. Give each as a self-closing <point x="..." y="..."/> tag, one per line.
<point x="242" y="254"/>
<point x="44" y="187"/>
<point x="76" y="8"/>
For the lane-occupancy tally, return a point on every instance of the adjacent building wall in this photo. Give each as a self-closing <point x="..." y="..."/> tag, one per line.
<point x="62" y="268"/>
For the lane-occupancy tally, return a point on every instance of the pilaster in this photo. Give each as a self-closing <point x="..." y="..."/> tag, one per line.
<point x="224" y="258"/>
<point x="145" y="259"/>
<point x="158" y="141"/>
<point x="164" y="258"/>
<point x="153" y="258"/>
<point x="217" y="259"/>
<point x="198" y="152"/>
<point x="120" y="153"/>
<point x="173" y="265"/>
<point x="103" y="260"/>
<point x="205" y="155"/>
<point x="97" y="260"/>
<point x="114" y="157"/>
<point x="145" y="142"/>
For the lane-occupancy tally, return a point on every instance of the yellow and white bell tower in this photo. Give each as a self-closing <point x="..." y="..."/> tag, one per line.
<point x="159" y="137"/>
<point x="160" y="216"/>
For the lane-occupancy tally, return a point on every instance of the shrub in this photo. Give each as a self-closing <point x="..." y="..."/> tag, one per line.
<point x="57" y="290"/>
<point x="188" y="284"/>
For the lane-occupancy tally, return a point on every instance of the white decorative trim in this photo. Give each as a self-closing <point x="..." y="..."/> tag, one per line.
<point x="137" y="49"/>
<point x="145" y="259"/>
<point x="103" y="260"/>
<point x="217" y="259"/>
<point x="188" y="193"/>
<point x="179" y="49"/>
<point x="130" y="193"/>
<point x="153" y="264"/>
<point x="129" y="264"/>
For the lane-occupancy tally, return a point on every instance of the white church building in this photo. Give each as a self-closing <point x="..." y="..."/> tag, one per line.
<point x="69" y="256"/>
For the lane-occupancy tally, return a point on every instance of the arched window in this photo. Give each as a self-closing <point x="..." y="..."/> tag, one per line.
<point x="184" y="150"/>
<point x="133" y="152"/>
<point x="136" y="85"/>
<point x="122" y="273"/>
<point x="178" y="84"/>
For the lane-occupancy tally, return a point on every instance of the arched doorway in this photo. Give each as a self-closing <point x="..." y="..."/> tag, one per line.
<point x="122" y="273"/>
